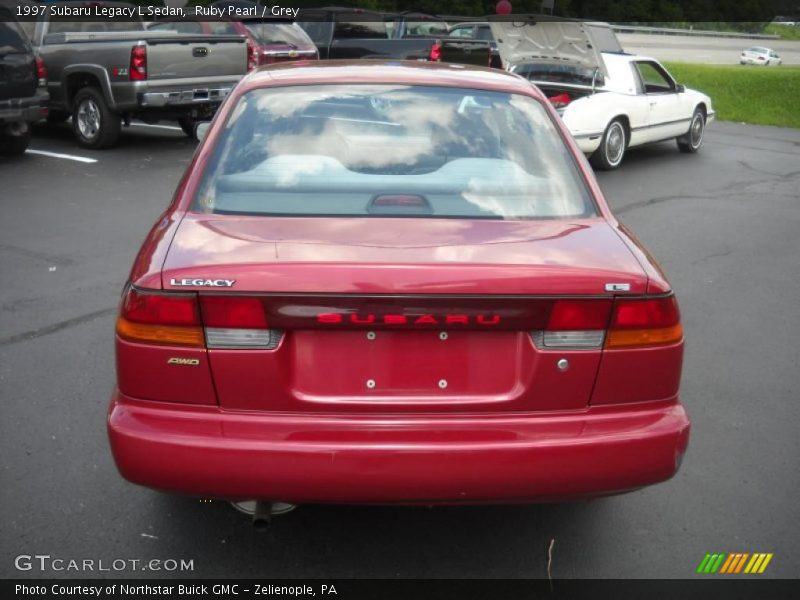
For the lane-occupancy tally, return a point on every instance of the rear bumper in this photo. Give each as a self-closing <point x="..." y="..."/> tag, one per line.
<point x="204" y="95"/>
<point x="26" y="110"/>
<point x="208" y="452"/>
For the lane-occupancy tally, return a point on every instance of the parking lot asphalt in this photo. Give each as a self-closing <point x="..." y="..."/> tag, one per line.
<point x="725" y="225"/>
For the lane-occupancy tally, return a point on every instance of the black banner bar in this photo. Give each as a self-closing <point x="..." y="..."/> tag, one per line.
<point x="732" y="588"/>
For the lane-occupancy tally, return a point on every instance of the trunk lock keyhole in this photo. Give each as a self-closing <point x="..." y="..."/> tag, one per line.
<point x="562" y="364"/>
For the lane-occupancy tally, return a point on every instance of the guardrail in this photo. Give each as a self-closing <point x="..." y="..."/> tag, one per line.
<point x="622" y="28"/>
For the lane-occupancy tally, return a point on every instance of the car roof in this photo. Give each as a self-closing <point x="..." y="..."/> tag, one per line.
<point x="387" y="72"/>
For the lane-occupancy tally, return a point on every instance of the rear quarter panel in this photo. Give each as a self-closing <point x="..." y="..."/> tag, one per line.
<point x="591" y="114"/>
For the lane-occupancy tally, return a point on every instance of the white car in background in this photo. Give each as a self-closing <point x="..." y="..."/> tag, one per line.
<point x="609" y="100"/>
<point x="760" y="56"/>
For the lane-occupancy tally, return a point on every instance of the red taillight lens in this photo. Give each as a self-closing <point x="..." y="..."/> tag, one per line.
<point x="41" y="71"/>
<point x="237" y="312"/>
<point x="138" y="67"/>
<point x="160" y="318"/>
<point x="436" y="52"/>
<point x="575" y="324"/>
<point x="237" y="323"/>
<point x="640" y="322"/>
<point x="252" y="56"/>
<point x="573" y="315"/>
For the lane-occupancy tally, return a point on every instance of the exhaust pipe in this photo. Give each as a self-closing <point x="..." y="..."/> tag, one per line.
<point x="262" y="516"/>
<point x="262" y="511"/>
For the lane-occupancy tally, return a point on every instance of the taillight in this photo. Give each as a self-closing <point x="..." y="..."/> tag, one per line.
<point x="41" y="71"/>
<point x="436" y="52"/>
<point x="576" y="324"/>
<point x="138" y="67"/>
<point x="184" y="319"/>
<point x="237" y="322"/>
<point x="252" y="57"/>
<point x="160" y="318"/>
<point x="640" y="322"/>
<point x="611" y="323"/>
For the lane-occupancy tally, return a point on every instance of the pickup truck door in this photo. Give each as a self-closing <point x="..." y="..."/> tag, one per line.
<point x="668" y="115"/>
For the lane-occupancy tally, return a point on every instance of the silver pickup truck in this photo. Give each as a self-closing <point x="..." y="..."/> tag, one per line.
<point x="105" y="73"/>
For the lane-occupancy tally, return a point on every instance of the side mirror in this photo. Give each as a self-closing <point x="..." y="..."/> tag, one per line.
<point x="201" y="129"/>
<point x="680" y="88"/>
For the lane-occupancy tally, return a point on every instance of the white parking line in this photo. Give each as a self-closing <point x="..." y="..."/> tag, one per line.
<point x="82" y="159"/>
<point x="170" y="127"/>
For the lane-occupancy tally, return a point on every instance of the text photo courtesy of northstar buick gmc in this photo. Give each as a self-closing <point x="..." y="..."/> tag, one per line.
<point x="394" y="282"/>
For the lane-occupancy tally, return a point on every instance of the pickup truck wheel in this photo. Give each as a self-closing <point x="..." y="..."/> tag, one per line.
<point x="15" y="145"/>
<point x="187" y="124"/>
<point x="612" y="147"/>
<point x="54" y="117"/>
<point x="693" y="139"/>
<point x="94" y="124"/>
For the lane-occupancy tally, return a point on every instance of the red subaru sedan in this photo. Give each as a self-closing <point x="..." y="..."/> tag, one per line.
<point x="384" y="282"/>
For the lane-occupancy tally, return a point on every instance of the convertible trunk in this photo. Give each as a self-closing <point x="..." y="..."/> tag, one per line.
<point x="400" y="316"/>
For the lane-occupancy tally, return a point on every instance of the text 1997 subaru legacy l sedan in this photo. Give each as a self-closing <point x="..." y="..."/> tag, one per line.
<point x="394" y="283"/>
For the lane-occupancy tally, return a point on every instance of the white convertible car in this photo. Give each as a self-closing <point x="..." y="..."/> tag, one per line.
<point x="609" y="100"/>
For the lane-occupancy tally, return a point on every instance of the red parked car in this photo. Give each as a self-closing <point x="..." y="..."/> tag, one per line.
<point x="385" y="282"/>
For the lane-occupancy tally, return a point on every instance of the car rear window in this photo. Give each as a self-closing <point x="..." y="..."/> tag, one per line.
<point x="391" y="150"/>
<point x="425" y="28"/>
<point x="362" y="30"/>
<point x="285" y="34"/>
<point x="12" y="39"/>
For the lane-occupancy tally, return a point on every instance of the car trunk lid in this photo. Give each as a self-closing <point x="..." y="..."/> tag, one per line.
<point x="535" y="38"/>
<point x="398" y="315"/>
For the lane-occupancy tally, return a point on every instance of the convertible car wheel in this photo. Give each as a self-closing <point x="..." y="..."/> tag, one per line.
<point x="693" y="139"/>
<point x="612" y="149"/>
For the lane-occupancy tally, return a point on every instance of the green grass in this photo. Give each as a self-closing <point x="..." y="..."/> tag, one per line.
<point x="746" y="94"/>
<point x="786" y="32"/>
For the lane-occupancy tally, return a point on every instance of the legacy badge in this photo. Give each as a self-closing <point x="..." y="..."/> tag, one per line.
<point x="203" y="282"/>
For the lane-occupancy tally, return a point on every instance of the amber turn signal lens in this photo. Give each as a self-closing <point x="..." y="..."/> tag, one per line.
<point x="635" y="338"/>
<point x="160" y="334"/>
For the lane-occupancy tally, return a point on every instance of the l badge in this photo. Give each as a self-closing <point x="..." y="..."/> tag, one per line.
<point x="618" y="287"/>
